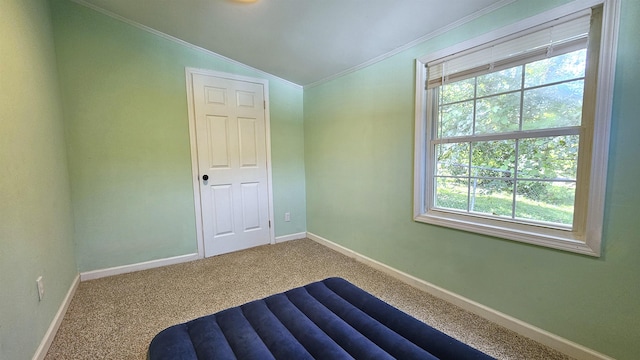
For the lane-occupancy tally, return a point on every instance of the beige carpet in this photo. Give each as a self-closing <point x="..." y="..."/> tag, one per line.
<point x="116" y="317"/>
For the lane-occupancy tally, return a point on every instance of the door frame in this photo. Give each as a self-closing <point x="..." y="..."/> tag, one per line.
<point x="195" y="176"/>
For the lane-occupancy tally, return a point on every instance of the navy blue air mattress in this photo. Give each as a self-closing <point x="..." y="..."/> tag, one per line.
<point x="329" y="319"/>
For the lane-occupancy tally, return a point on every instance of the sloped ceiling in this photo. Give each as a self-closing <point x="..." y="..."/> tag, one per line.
<point x="302" y="41"/>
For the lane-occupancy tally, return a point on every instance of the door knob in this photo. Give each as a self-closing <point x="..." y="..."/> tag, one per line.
<point x="205" y="177"/>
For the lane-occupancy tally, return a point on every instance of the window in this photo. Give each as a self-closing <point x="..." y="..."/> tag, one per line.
<point x="512" y="132"/>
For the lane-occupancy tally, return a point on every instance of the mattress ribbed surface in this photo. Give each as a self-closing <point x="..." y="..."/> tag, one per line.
<point x="329" y="319"/>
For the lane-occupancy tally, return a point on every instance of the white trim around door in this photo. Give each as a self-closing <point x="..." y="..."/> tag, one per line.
<point x="194" y="150"/>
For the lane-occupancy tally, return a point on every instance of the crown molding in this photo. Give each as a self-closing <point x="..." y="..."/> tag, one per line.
<point x="180" y="41"/>
<point x="415" y="42"/>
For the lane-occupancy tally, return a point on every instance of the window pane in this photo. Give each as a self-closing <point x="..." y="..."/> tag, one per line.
<point x="558" y="68"/>
<point x="451" y="193"/>
<point x="491" y="197"/>
<point x="526" y="189"/>
<point x="456" y="120"/>
<point x="548" y="158"/>
<point x="493" y="158"/>
<point x="498" y="114"/>
<point x="546" y="201"/>
<point x="452" y="159"/>
<point x="457" y="91"/>
<point x="553" y="106"/>
<point x="501" y="81"/>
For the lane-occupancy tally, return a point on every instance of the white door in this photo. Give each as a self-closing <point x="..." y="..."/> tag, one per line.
<point x="232" y="163"/>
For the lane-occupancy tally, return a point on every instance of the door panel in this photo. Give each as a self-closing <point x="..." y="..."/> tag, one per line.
<point x="217" y="127"/>
<point x="222" y="201"/>
<point x="216" y="95"/>
<point x="231" y="144"/>
<point x="248" y="142"/>
<point x="250" y="206"/>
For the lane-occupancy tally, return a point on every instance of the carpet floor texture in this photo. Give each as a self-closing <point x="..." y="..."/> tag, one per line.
<point x="116" y="317"/>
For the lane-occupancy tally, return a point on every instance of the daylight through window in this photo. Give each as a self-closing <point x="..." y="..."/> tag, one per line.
<point x="507" y="142"/>
<point x="509" y="132"/>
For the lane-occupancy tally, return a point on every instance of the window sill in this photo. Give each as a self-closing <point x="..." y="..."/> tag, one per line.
<point x="536" y="235"/>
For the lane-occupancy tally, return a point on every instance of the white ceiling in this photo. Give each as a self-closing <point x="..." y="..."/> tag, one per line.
<point x="302" y="41"/>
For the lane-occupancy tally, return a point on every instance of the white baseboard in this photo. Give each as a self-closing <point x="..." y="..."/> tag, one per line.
<point x="290" y="237"/>
<point x="542" y="336"/>
<point x="42" y="350"/>
<point x="96" y="274"/>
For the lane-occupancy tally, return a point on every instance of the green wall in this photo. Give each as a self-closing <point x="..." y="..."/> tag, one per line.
<point x="36" y="227"/>
<point x="124" y="95"/>
<point x="359" y="176"/>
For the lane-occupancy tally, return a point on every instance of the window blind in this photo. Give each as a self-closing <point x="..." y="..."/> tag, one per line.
<point x="551" y="39"/>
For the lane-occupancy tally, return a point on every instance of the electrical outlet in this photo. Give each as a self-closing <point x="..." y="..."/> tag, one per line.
<point x="287" y="216"/>
<point x="40" y="288"/>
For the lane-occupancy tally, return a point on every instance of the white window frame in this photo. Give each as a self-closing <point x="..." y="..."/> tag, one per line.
<point x="586" y="237"/>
